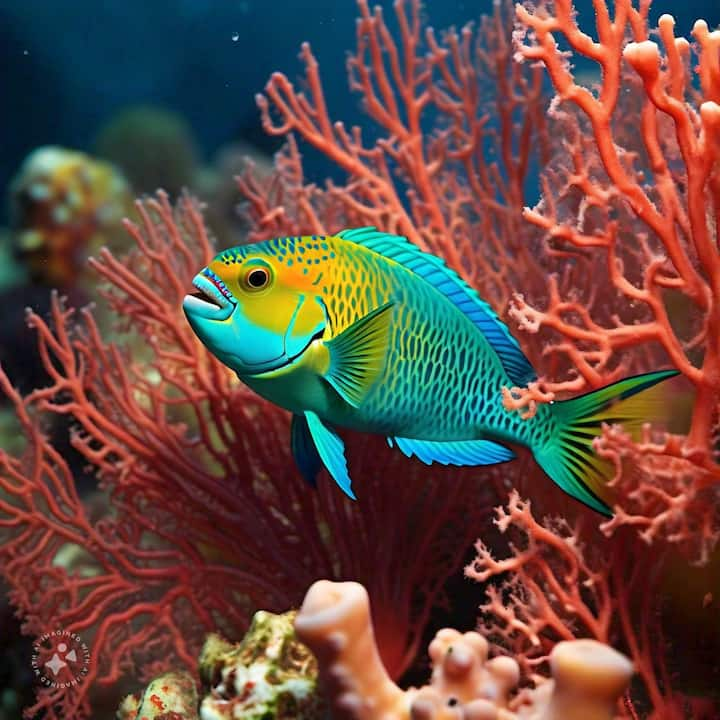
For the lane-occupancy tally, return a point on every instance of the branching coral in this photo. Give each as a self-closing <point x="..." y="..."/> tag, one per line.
<point x="560" y="582"/>
<point x="631" y="195"/>
<point x="203" y="516"/>
<point x="663" y="181"/>
<point x="557" y="586"/>
<point x="458" y="126"/>
<point x="634" y="192"/>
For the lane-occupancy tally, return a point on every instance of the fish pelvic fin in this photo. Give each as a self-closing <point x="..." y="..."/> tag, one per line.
<point x="568" y="456"/>
<point x="330" y="450"/>
<point x="303" y="448"/>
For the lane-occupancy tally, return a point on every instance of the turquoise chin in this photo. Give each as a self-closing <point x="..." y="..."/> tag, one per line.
<point x="245" y="347"/>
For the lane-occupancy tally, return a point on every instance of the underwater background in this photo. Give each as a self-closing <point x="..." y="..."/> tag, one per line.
<point x="148" y="500"/>
<point x="72" y="68"/>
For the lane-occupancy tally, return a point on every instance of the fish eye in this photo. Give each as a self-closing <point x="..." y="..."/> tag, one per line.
<point x="257" y="278"/>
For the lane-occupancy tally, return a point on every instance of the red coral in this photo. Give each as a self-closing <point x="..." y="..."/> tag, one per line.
<point x="636" y="184"/>
<point x="632" y="194"/>
<point x="562" y="582"/>
<point x="204" y="517"/>
<point x="458" y="128"/>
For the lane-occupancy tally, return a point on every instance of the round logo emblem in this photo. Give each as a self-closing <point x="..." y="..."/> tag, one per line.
<point x="60" y="659"/>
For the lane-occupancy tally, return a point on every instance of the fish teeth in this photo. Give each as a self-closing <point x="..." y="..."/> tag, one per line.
<point x="219" y="284"/>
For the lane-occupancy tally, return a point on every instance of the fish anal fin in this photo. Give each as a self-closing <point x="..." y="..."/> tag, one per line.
<point x="455" y="452"/>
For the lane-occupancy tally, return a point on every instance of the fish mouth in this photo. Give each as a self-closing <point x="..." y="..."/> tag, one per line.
<point x="212" y="301"/>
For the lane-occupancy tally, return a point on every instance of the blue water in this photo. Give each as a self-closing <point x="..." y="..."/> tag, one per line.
<point x="68" y="67"/>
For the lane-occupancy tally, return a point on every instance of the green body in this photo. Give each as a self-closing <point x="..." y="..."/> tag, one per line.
<point x="441" y="378"/>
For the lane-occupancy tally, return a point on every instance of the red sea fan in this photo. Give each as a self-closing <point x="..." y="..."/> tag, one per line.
<point x="632" y="195"/>
<point x="201" y="515"/>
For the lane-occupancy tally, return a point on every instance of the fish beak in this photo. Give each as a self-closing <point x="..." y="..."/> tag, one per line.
<point x="212" y="301"/>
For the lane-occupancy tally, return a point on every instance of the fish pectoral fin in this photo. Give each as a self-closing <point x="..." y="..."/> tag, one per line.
<point x="457" y="452"/>
<point x="330" y="450"/>
<point x="357" y="355"/>
<point x="304" y="451"/>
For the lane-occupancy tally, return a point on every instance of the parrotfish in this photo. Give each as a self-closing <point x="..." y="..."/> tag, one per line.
<point x="363" y="330"/>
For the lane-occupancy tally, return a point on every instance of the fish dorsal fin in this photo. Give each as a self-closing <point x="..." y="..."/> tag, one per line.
<point x="449" y="283"/>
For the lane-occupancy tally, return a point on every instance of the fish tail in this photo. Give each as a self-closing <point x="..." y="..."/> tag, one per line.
<point x="568" y="457"/>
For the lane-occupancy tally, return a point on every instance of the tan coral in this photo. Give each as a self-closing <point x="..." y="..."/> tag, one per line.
<point x="334" y="621"/>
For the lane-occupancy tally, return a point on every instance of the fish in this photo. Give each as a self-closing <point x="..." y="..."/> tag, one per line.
<point x="364" y="330"/>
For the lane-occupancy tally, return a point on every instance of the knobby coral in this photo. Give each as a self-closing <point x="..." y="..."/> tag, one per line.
<point x="271" y="673"/>
<point x="334" y="621"/>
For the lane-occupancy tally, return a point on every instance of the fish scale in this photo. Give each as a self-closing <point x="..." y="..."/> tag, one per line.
<point x="411" y="396"/>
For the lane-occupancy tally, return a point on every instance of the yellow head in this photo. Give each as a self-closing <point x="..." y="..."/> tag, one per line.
<point x="259" y="307"/>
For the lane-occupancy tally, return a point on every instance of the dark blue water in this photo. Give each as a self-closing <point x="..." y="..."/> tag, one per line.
<point x="69" y="67"/>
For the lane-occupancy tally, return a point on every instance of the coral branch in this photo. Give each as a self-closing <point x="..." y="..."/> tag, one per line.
<point x="643" y="203"/>
<point x="200" y="514"/>
<point x="559" y="583"/>
<point x="438" y="187"/>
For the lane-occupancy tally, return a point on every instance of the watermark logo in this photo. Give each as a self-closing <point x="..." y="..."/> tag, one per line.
<point x="60" y="659"/>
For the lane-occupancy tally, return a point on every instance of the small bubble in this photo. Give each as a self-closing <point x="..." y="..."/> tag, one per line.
<point x="26" y="52"/>
<point x="235" y="36"/>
